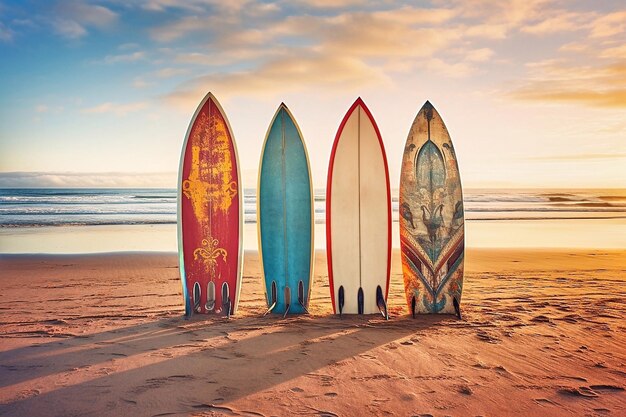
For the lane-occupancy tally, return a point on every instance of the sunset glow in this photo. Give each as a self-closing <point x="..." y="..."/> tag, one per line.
<point x="101" y="93"/>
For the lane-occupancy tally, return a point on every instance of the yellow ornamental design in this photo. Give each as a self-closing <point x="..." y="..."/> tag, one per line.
<point x="210" y="186"/>
<point x="210" y="253"/>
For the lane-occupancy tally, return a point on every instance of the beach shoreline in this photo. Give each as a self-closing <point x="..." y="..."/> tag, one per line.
<point x="542" y="334"/>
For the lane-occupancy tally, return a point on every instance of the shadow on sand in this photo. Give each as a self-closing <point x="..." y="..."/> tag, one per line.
<point x="183" y="366"/>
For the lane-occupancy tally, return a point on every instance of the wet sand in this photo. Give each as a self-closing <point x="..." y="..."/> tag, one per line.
<point x="543" y="333"/>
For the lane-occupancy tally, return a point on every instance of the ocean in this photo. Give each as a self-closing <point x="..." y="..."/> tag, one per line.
<point x="535" y="213"/>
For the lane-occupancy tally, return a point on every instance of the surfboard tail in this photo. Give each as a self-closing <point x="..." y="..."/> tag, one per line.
<point x="301" y="299"/>
<point x="274" y="299"/>
<point x="381" y="303"/>
<point x="341" y="298"/>
<point x="360" y="301"/>
<point x="287" y="301"/>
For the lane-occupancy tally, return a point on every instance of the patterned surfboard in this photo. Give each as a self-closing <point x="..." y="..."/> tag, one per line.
<point x="358" y="216"/>
<point x="431" y="217"/>
<point x="210" y="213"/>
<point x="286" y="220"/>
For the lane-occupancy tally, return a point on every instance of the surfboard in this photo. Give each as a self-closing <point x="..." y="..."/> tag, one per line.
<point x="210" y="213"/>
<point x="286" y="218"/>
<point x="431" y="217"/>
<point x="358" y="216"/>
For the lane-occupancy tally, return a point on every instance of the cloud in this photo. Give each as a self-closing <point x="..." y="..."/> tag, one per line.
<point x="183" y="27"/>
<point x="380" y="35"/>
<point x="553" y="81"/>
<point x="170" y="72"/>
<point x="512" y="13"/>
<point x="6" y="34"/>
<point x="495" y="19"/>
<point x="128" y="46"/>
<point x="613" y="98"/>
<point x="562" y="21"/>
<point x="72" y="18"/>
<point x="292" y="73"/>
<point x="609" y="25"/>
<point x="86" y="179"/>
<point x="580" y="157"/>
<point x="195" y="6"/>
<point x="327" y="4"/>
<point x="44" y="108"/>
<point x="617" y="52"/>
<point x="140" y="82"/>
<point x="221" y="19"/>
<point x="69" y="29"/>
<point x="347" y="50"/>
<point x="114" y="108"/>
<point x="479" y="55"/>
<point x="131" y="57"/>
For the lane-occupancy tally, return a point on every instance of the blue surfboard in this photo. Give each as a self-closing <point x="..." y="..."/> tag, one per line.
<point x="286" y="219"/>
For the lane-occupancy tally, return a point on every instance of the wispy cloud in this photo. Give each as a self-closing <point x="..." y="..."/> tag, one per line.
<point x="6" y="34"/>
<point x="609" y="25"/>
<point x="170" y="72"/>
<point x="553" y="81"/>
<point x="115" y="108"/>
<point x="617" y="52"/>
<point x="130" y="57"/>
<point x="183" y="27"/>
<point x="86" y="179"/>
<point x="44" y="108"/>
<point x="285" y="75"/>
<point x="328" y="4"/>
<point x="580" y="157"/>
<point x="562" y="21"/>
<point x="344" y="51"/>
<point x="72" y="18"/>
<point x="513" y="12"/>
<point x="140" y="82"/>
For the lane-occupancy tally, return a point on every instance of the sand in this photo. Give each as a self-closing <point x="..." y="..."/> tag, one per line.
<point x="90" y="335"/>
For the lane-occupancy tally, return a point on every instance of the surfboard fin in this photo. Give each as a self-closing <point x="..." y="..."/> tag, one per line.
<point x="301" y="296"/>
<point x="360" y="299"/>
<point x="340" y="300"/>
<point x="457" y="308"/>
<point x="196" y="297"/>
<point x="210" y="296"/>
<point x="274" y="299"/>
<point x="413" y="302"/>
<point x="380" y="302"/>
<point x="287" y="301"/>
<point x="226" y="302"/>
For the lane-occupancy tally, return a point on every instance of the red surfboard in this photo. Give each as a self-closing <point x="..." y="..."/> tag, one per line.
<point x="210" y="213"/>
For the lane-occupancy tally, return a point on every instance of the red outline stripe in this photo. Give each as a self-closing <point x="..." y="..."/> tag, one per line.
<point x="329" y="256"/>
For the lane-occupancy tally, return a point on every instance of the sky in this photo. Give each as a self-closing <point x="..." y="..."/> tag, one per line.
<point x="100" y="93"/>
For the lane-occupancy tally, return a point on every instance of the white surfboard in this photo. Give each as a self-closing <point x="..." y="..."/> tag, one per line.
<point x="358" y="215"/>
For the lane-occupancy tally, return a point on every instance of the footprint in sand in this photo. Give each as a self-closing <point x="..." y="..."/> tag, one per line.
<point x="28" y="394"/>
<point x="542" y="401"/>
<point x="464" y="389"/>
<point x="487" y="337"/>
<point x="501" y="370"/>
<point x="606" y="387"/>
<point x="584" y="392"/>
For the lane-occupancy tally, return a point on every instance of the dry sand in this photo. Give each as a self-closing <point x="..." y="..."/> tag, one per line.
<point x="542" y="335"/>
